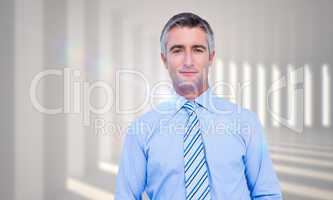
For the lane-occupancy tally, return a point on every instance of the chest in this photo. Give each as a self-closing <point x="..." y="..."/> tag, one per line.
<point x="225" y="150"/>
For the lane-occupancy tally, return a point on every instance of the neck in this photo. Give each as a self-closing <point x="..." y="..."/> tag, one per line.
<point x="191" y="94"/>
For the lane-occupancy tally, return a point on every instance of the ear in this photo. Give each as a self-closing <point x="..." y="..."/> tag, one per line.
<point x="211" y="57"/>
<point x="164" y="60"/>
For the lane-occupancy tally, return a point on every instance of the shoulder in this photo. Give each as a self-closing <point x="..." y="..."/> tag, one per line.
<point x="244" y="121"/>
<point x="224" y="106"/>
<point x="146" y="123"/>
<point x="156" y="112"/>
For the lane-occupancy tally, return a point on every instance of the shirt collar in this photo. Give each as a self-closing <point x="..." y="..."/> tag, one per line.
<point x="205" y="100"/>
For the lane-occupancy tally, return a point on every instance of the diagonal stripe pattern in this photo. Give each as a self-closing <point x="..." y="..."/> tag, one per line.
<point x="195" y="165"/>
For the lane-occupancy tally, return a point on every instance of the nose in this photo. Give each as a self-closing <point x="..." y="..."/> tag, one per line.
<point x="188" y="60"/>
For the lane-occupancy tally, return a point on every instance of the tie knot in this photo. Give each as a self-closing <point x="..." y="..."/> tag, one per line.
<point x="189" y="106"/>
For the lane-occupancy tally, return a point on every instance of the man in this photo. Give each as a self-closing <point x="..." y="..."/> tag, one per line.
<point x="195" y="146"/>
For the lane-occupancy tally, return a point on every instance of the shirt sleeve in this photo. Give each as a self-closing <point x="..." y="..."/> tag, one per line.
<point x="131" y="177"/>
<point x="261" y="176"/>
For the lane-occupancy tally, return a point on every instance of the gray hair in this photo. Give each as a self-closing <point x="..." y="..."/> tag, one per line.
<point x="187" y="20"/>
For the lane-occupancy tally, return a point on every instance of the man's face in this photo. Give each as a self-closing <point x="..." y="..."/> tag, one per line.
<point x="187" y="58"/>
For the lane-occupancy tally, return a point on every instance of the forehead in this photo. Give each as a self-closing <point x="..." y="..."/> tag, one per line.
<point x="186" y="36"/>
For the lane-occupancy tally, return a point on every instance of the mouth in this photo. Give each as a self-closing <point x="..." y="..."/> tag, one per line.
<point x="188" y="73"/>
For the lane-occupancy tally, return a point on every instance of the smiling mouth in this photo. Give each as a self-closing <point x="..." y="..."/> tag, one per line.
<point x="188" y="73"/>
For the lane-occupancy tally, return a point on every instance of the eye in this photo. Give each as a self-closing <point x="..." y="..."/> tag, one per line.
<point x="198" y="50"/>
<point x="175" y="51"/>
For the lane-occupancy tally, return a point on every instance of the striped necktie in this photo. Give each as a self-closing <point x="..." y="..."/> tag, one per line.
<point x="196" y="170"/>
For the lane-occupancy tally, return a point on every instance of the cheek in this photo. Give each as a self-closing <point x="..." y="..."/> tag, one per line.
<point x="202" y="63"/>
<point x="172" y="68"/>
<point x="176" y="60"/>
<point x="174" y="65"/>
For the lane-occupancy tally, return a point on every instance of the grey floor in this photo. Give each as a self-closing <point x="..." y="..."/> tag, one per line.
<point x="304" y="163"/>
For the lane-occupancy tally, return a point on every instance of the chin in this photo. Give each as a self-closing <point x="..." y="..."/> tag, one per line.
<point x="187" y="86"/>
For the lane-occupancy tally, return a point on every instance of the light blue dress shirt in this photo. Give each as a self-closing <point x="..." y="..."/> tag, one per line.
<point x="239" y="164"/>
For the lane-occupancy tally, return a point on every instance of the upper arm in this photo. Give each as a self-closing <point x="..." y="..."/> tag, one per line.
<point x="131" y="178"/>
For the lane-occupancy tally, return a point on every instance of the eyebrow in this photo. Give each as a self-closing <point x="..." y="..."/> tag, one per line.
<point x="177" y="46"/>
<point x="182" y="46"/>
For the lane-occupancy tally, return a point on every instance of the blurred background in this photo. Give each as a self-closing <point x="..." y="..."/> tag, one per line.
<point x="75" y="73"/>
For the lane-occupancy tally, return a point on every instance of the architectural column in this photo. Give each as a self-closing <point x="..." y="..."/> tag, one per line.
<point x="55" y="124"/>
<point x="75" y="56"/>
<point x="91" y="66"/>
<point x="116" y="63"/>
<point x="7" y="137"/>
